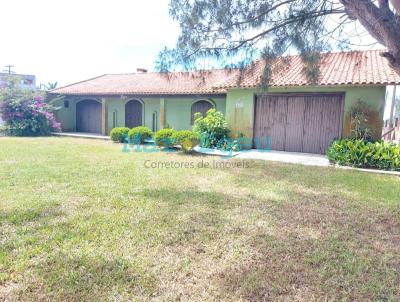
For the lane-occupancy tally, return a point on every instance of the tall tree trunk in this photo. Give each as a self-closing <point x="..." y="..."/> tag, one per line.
<point x="382" y="24"/>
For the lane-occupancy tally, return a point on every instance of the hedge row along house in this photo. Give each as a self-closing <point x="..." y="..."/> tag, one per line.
<point x="291" y="114"/>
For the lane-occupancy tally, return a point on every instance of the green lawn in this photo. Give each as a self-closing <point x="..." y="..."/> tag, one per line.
<point x="82" y="221"/>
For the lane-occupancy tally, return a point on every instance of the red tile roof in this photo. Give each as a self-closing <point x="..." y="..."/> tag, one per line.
<point x="153" y="83"/>
<point x="341" y="68"/>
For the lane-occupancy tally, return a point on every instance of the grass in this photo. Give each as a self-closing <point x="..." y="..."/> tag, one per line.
<point x="82" y="221"/>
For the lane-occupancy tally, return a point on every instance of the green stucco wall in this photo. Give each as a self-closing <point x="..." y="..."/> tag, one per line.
<point x="240" y="105"/>
<point x="177" y="110"/>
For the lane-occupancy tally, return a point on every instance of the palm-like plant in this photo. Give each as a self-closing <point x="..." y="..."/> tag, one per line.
<point x="50" y="85"/>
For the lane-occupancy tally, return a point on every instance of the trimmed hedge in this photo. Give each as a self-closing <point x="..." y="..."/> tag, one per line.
<point x="363" y="154"/>
<point x="163" y="137"/>
<point x="119" y="134"/>
<point x="186" y="139"/>
<point x="137" y="135"/>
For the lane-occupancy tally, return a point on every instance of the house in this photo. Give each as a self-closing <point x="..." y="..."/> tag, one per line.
<point x="291" y="114"/>
<point x="25" y="81"/>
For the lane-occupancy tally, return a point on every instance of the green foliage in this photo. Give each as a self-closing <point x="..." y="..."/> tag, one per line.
<point x="364" y="154"/>
<point x="228" y="144"/>
<point x="240" y="31"/>
<point x="186" y="139"/>
<point x="26" y="112"/>
<point x="359" y="113"/>
<point x="213" y="131"/>
<point x="163" y="137"/>
<point x="138" y="135"/>
<point x="119" y="134"/>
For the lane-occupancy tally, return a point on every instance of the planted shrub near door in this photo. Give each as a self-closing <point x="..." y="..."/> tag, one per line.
<point x="163" y="138"/>
<point x="119" y="134"/>
<point x="139" y="134"/>
<point x="186" y="139"/>
<point x="213" y="131"/>
<point x="363" y="154"/>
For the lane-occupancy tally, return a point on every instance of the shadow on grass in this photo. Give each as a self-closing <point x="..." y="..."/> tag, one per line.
<point x="37" y="212"/>
<point x="323" y="248"/>
<point x="69" y="277"/>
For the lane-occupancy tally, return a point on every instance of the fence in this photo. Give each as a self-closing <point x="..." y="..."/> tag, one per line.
<point x="391" y="134"/>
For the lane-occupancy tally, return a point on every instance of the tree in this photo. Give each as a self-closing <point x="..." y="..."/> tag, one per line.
<point x="236" y="31"/>
<point x="51" y="86"/>
<point x="26" y="112"/>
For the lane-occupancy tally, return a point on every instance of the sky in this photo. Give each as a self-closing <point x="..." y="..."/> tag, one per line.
<point x="66" y="41"/>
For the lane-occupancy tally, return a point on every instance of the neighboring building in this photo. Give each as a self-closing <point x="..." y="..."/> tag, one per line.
<point x="24" y="80"/>
<point x="292" y="115"/>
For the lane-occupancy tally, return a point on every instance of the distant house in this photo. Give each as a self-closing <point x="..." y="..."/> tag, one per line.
<point x="24" y="80"/>
<point x="291" y="115"/>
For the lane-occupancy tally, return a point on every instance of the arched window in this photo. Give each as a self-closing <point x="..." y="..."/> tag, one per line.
<point x="133" y="113"/>
<point x="201" y="106"/>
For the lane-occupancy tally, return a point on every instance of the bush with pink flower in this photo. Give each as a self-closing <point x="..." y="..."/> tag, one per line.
<point x="26" y="113"/>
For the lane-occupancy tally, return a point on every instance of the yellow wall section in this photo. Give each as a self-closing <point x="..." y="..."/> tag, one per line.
<point x="240" y="105"/>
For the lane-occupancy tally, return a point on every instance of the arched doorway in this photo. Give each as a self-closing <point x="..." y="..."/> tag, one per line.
<point x="201" y="106"/>
<point x="133" y="114"/>
<point x="88" y="116"/>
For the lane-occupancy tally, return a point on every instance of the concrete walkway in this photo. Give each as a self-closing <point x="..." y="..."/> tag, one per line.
<point x="81" y="135"/>
<point x="286" y="157"/>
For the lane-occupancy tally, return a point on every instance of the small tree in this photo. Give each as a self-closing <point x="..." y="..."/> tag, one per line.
<point x="25" y="112"/>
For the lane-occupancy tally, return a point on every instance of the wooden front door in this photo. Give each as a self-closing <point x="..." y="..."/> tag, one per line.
<point x="202" y="107"/>
<point x="297" y="123"/>
<point x="88" y="116"/>
<point x="133" y="114"/>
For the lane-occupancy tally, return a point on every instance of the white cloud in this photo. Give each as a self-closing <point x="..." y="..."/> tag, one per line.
<point x="71" y="40"/>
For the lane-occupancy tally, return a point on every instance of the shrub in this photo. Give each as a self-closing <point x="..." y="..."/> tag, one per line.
<point x="359" y="114"/>
<point x="364" y="154"/>
<point x="186" y="139"/>
<point x="163" y="138"/>
<point x="137" y="135"/>
<point x="27" y="114"/>
<point x="213" y="131"/>
<point x="119" y="134"/>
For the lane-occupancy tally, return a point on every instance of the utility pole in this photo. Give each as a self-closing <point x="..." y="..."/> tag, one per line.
<point x="8" y="69"/>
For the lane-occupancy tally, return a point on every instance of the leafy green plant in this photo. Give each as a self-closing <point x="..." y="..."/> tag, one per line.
<point x="364" y="154"/>
<point x="163" y="137"/>
<point x="119" y="134"/>
<point x="186" y="139"/>
<point x="359" y="113"/>
<point x="213" y="131"/>
<point x="139" y="134"/>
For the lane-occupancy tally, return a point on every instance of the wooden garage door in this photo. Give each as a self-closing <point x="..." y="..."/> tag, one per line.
<point x="297" y="123"/>
<point x="88" y="116"/>
<point x="133" y="114"/>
